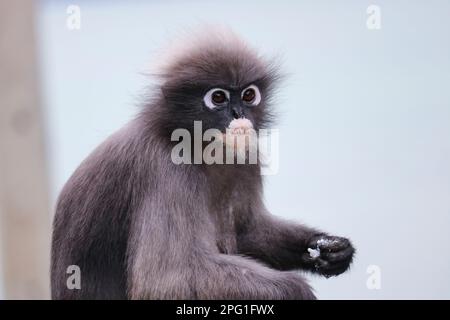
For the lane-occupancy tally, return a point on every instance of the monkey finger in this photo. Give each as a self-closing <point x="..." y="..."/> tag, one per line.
<point x="341" y="255"/>
<point x="321" y="264"/>
<point x="308" y="260"/>
<point x="333" y="244"/>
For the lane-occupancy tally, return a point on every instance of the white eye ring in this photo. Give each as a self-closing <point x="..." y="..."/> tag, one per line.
<point x="208" y="98"/>
<point x="257" y="98"/>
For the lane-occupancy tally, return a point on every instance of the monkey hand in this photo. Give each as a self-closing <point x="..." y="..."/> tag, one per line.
<point x="328" y="255"/>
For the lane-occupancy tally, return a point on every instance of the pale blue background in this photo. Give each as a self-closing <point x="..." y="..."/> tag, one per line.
<point x="365" y="126"/>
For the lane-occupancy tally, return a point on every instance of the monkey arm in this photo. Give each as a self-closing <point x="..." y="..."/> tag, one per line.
<point x="284" y="245"/>
<point x="278" y="243"/>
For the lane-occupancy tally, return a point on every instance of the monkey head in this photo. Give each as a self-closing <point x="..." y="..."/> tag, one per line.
<point x="216" y="79"/>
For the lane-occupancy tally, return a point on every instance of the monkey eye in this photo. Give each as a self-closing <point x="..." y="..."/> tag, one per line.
<point x="216" y="97"/>
<point x="251" y="95"/>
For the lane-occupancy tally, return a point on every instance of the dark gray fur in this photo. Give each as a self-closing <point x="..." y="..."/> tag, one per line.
<point x="141" y="227"/>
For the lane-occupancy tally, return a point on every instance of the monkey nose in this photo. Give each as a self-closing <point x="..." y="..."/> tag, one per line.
<point x="237" y="114"/>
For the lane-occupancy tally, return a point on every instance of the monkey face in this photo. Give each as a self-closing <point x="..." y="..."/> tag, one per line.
<point x="216" y="83"/>
<point x="225" y="106"/>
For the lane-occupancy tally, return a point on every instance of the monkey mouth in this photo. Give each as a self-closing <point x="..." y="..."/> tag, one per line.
<point x="241" y="126"/>
<point x="239" y="135"/>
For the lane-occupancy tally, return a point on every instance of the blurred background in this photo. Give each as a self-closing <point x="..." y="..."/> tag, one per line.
<point x="364" y="125"/>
